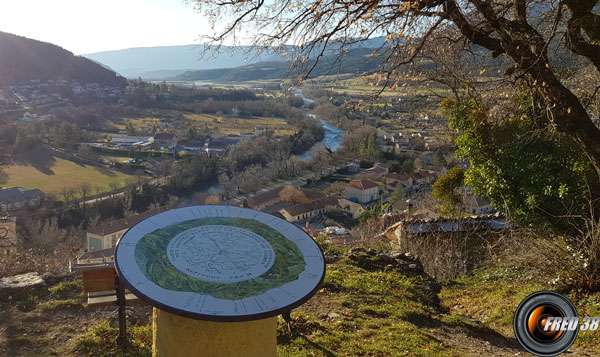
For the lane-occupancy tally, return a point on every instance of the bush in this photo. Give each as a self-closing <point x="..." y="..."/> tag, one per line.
<point x="66" y="289"/>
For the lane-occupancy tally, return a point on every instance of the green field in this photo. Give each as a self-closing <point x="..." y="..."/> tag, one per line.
<point x="57" y="173"/>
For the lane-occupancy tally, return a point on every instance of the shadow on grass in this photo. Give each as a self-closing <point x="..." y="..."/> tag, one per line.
<point x="39" y="158"/>
<point x="476" y="329"/>
<point x="458" y="323"/>
<point x="322" y="349"/>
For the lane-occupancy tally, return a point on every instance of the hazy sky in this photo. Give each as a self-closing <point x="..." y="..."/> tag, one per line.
<point x="85" y="26"/>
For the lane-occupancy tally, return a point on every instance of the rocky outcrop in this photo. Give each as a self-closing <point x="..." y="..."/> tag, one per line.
<point x="18" y="283"/>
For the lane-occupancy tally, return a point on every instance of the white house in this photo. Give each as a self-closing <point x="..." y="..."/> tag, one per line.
<point x="362" y="190"/>
<point x="105" y="236"/>
<point x="477" y="205"/>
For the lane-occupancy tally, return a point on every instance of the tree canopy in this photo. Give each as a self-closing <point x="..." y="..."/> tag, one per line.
<point x="445" y="191"/>
<point x="537" y="177"/>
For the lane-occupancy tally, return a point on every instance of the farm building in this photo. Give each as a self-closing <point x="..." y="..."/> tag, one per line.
<point x="165" y="140"/>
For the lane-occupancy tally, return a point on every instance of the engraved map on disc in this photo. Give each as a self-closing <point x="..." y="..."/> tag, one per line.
<point x="219" y="263"/>
<point x="221" y="254"/>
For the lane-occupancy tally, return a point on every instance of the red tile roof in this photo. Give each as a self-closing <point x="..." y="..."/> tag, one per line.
<point x="363" y="184"/>
<point x="164" y="136"/>
<point x="397" y="177"/>
<point x="302" y="208"/>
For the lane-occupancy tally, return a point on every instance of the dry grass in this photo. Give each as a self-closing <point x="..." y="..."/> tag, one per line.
<point x="239" y="125"/>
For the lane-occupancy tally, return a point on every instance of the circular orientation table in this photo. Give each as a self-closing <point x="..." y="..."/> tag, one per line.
<point x="200" y="265"/>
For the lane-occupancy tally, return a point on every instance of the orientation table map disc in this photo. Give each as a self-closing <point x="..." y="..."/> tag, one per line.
<point x="219" y="263"/>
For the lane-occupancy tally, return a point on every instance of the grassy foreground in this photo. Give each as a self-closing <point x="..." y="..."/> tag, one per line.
<point x="361" y="310"/>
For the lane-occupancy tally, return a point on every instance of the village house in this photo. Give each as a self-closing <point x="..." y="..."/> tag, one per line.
<point x="105" y="236"/>
<point x="422" y="178"/>
<point x="351" y="209"/>
<point x="393" y="179"/>
<point x="436" y="170"/>
<point x="260" y="130"/>
<point x="308" y="210"/>
<point x="384" y="133"/>
<point x="219" y="145"/>
<point x="476" y="205"/>
<point x="166" y="140"/>
<point x="378" y="170"/>
<point x="195" y="145"/>
<point x="353" y="167"/>
<point x="402" y="143"/>
<point x="362" y="190"/>
<point x="19" y="197"/>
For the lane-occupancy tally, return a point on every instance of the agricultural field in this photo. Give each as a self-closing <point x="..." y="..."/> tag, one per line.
<point x="54" y="174"/>
<point x="367" y="85"/>
<point x="239" y="125"/>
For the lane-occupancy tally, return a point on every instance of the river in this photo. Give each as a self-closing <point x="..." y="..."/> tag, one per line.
<point x="332" y="138"/>
<point x="333" y="134"/>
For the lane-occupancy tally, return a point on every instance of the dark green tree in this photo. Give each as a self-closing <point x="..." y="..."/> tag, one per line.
<point x="130" y="129"/>
<point x="397" y="195"/>
<point x="191" y="133"/>
<point x="539" y="177"/>
<point x="445" y="191"/>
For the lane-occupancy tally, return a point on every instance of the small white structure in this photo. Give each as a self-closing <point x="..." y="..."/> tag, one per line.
<point x="130" y="140"/>
<point x="477" y="205"/>
<point x="260" y="130"/>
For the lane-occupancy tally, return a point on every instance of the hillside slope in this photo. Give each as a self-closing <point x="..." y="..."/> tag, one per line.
<point x="23" y="59"/>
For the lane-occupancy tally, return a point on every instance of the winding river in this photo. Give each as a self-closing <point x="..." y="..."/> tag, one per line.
<point x="333" y="134"/>
<point x="332" y="138"/>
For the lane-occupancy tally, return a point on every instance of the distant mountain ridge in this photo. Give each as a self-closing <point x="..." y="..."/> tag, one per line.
<point x="355" y="61"/>
<point x="23" y="59"/>
<point x="168" y="61"/>
<point x="150" y="61"/>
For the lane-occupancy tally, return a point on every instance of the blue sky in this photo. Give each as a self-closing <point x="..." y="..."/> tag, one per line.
<point x="85" y="26"/>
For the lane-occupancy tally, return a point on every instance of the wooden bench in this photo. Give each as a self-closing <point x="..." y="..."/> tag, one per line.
<point x="104" y="288"/>
<point x="101" y="286"/>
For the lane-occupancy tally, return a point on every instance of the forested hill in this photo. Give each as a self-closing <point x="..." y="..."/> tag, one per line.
<point x="23" y="59"/>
